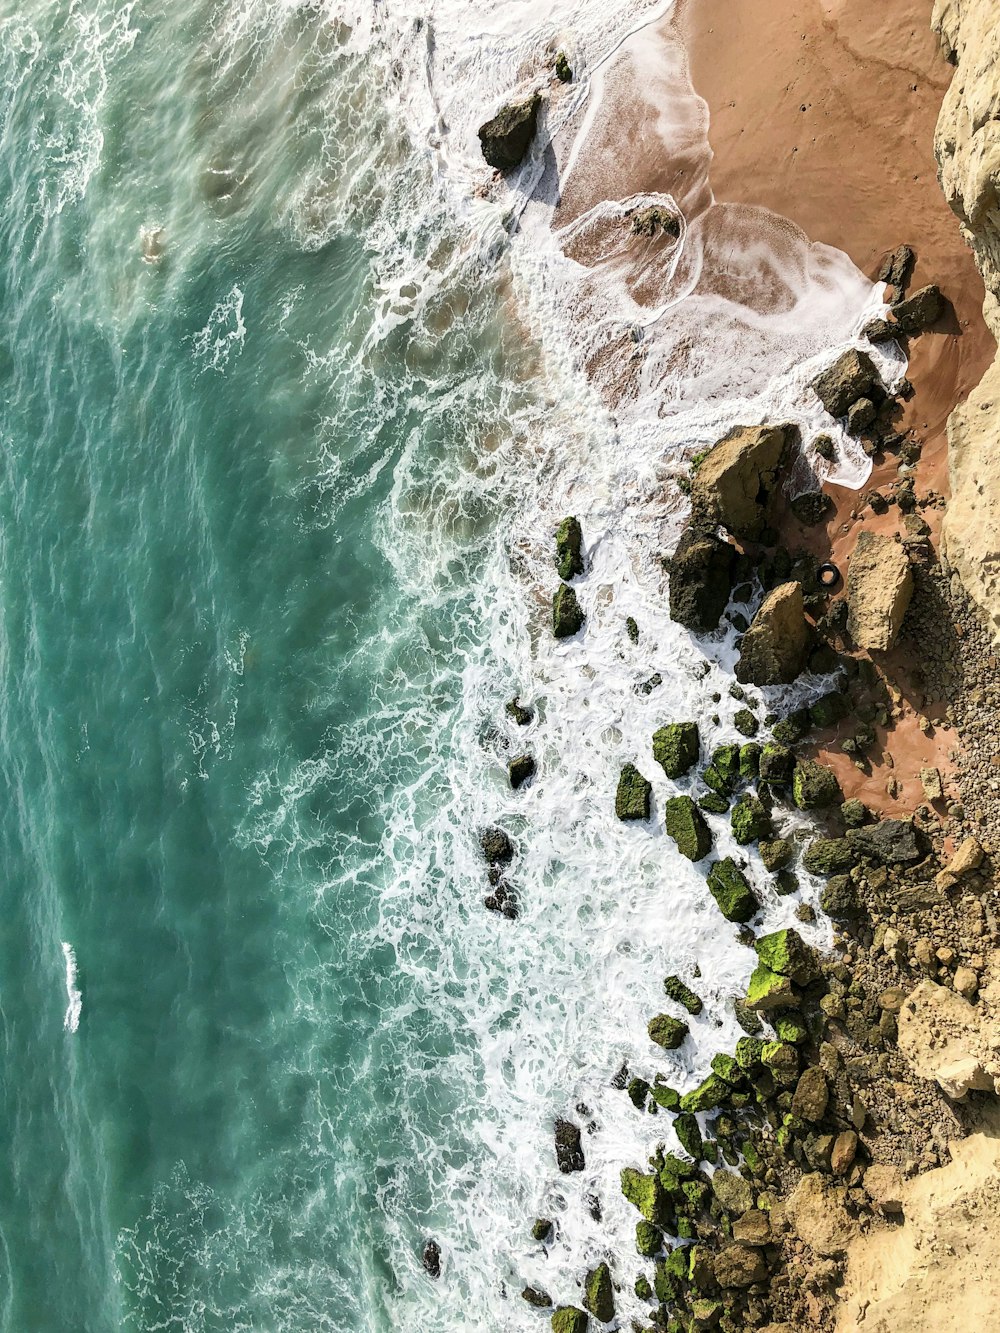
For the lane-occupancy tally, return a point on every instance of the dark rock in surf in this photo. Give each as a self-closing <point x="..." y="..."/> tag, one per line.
<point x="506" y="138"/>
<point x="701" y="576"/>
<point x="567" y="614"/>
<point x="432" y="1258"/>
<point x="569" y="1147"/>
<point x="497" y="848"/>
<point x="520" y="770"/>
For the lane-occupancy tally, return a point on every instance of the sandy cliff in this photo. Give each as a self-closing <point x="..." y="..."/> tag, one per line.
<point x="967" y="144"/>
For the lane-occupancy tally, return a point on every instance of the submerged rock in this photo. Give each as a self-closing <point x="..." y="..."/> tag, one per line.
<point x="569" y="549"/>
<point x="676" y="748"/>
<point x="686" y="825"/>
<point x="517" y="712"/>
<point x="569" y="1147"/>
<point x="633" y="796"/>
<point x="431" y="1258"/>
<point x="506" y="138"/>
<point x="567" y="615"/>
<point x="729" y="887"/>
<point x="737" y="479"/>
<point x="701" y="575"/>
<point x="541" y="1300"/>
<point x="879" y="588"/>
<point x="775" y="649"/>
<point x="520" y="770"/>
<point x="852" y="376"/>
<point x="541" y="1229"/>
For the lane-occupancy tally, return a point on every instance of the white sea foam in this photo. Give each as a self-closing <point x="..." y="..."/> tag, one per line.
<point x="74" y="1006"/>
<point x="224" y="334"/>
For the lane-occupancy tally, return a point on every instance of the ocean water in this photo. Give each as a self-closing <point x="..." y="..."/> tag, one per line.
<point x="292" y="399"/>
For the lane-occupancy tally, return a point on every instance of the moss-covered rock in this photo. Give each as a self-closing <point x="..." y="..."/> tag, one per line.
<point x="750" y="820"/>
<point x="519" y="770"/>
<point x="841" y="899"/>
<point x="506" y="138"/>
<point x="732" y="1191"/>
<point x="776" y="853"/>
<point x="700" y="578"/>
<point x="730" y="889"/>
<point x="638" y="1091"/>
<point x="814" y="787"/>
<point x="713" y="804"/>
<point x="645" y="1193"/>
<point x="632" y="799"/>
<point x="829" y="710"/>
<point x="748" y="1053"/>
<point x="793" y="727"/>
<point x="569" y="549"/>
<point x="723" y="772"/>
<point x="790" y="1026"/>
<point x="828" y="856"/>
<point x="599" y="1294"/>
<point x="770" y="990"/>
<point x="746" y="723"/>
<point x="782" y="1059"/>
<point x="676" y="990"/>
<point x="541" y="1300"/>
<point x="749" y="761"/>
<point x="667" y="1032"/>
<point x="648" y="1239"/>
<point x="567" y="614"/>
<point x="776" y="764"/>
<point x="518" y="712"/>
<point x="855" y="813"/>
<point x="711" y="1092"/>
<point x="785" y="952"/>
<point x="686" y="825"/>
<point x="689" y="1135"/>
<point x="676" y="747"/>
<point x="665" y="1096"/>
<point x="568" y="1319"/>
<point x="728" y="1069"/>
<point x="642" y="1288"/>
<point x="564" y="73"/>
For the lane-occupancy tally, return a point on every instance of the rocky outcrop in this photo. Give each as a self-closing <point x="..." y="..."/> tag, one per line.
<point x="879" y="588"/>
<point x="507" y="137"/>
<point x="736" y="481"/>
<point x="701" y="574"/>
<point x="852" y="378"/>
<point x="945" y="1039"/>
<point x="775" y="648"/>
<point x="967" y="146"/>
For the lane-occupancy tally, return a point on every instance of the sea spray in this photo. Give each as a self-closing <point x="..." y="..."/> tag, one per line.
<point x="74" y="998"/>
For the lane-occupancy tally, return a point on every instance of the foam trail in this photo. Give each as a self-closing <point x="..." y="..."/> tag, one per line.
<point x="71" y="1020"/>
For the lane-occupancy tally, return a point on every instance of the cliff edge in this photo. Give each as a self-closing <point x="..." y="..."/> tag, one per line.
<point x="967" y="146"/>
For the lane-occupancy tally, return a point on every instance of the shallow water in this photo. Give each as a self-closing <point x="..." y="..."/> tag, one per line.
<point x="275" y="519"/>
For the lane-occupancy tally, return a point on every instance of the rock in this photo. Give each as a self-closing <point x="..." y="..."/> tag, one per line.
<point x="827" y="856"/>
<point x="648" y="1239"/>
<point x="729" y="887"/>
<point x="811" y="1096"/>
<point x="686" y="825"/>
<point x="855" y="813"/>
<point x="816" y="1214"/>
<point x="689" y="1135"/>
<point x="723" y="773"/>
<point x="519" y="770"/>
<point x="506" y="138"/>
<point x="861" y="415"/>
<point x="431" y="1258"/>
<point x="782" y="1059"/>
<point x="632" y="798"/>
<point x="919" y="311"/>
<point x="879" y="588"/>
<point x="632" y="628"/>
<point x="516" y="710"/>
<point x="940" y="1034"/>
<point x="676" y="748"/>
<point x="775" y="853"/>
<point x="569" y="549"/>
<point x="884" y="1186"/>
<point x="711" y="1092"/>
<point x="775" y="648"/>
<point x="814" y="786"/>
<point x="732" y="1191"/>
<point x="567" y="615"/>
<point x="541" y="1300"/>
<point x="700" y="579"/>
<point x="967" y="859"/>
<point x="746" y="723"/>
<point x="930" y="782"/>
<point x="653" y="221"/>
<point x="811" y="507"/>
<point x="599" y="1295"/>
<point x="750" y="821"/>
<point x="776" y="764"/>
<point x="667" y="1032"/>
<point x="739" y="1266"/>
<point x="645" y="1193"/>
<point x="769" y="990"/>
<point x="568" y="1319"/>
<point x="845" y="1147"/>
<point x="541" y="1229"/>
<point x="562" y="68"/>
<point x="785" y="952"/>
<point x="569" y="1147"/>
<point x="966" y="982"/>
<point x="677" y="991"/>
<point x="736" y="480"/>
<point x="749" y="761"/>
<point x="497" y="848"/>
<point x="896" y="268"/>
<point x="890" y="842"/>
<point x="852" y="376"/>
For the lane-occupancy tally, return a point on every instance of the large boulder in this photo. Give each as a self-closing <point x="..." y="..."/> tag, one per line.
<point x="730" y="889"/>
<point x="686" y="825"/>
<point x="891" y="842"/>
<point x="507" y="137"/>
<point x="739" y="1266"/>
<point x="945" y="1039"/>
<point x="676" y="748"/>
<point x="775" y="648"/>
<point x="599" y="1294"/>
<point x="736" y="480"/>
<point x="852" y="376"/>
<point x="632" y="798"/>
<point x="816" y="1214"/>
<point x="879" y="588"/>
<point x="569" y="549"/>
<point x="701" y="578"/>
<point x="919" y="311"/>
<point x="567" y="614"/>
<point x="568" y="1319"/>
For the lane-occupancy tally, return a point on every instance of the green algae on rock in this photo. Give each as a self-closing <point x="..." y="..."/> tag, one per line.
<point x="686" y="825"/>
<point x="569" y="549"/>
<point x="567" y="614"/>
<point x="632" y="799"/>
<point x="506" y="138"/>
<point x="731" y="890"/>
<point x="647" y="1194"/>
<point x="770" y="990"/>
<point x="648" y="1239"/>
<point x="666" y="1031"/>
<point x="598" y="1293"/>
<point x="785" y="952"/>
<point x="814" y="786"/>
<point x="749" y="819"/>
<point x="775" y="853"/>
<point x="676" y="747"/>
<point x="682" y="994"/>
<point x="723" y="771"/>
<point x="568" y="1319"/>
<point x="711" y="1092"/>
<point x="689" y="1135"/>
<point x="776" y="764"/>
<point x="827" y="856"/>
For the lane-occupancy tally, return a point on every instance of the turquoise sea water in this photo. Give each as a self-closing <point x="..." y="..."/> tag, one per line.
<point x="240" y="540"/>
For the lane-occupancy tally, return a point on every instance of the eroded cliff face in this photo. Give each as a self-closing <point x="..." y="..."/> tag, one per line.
<point x="967" y="145"/>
